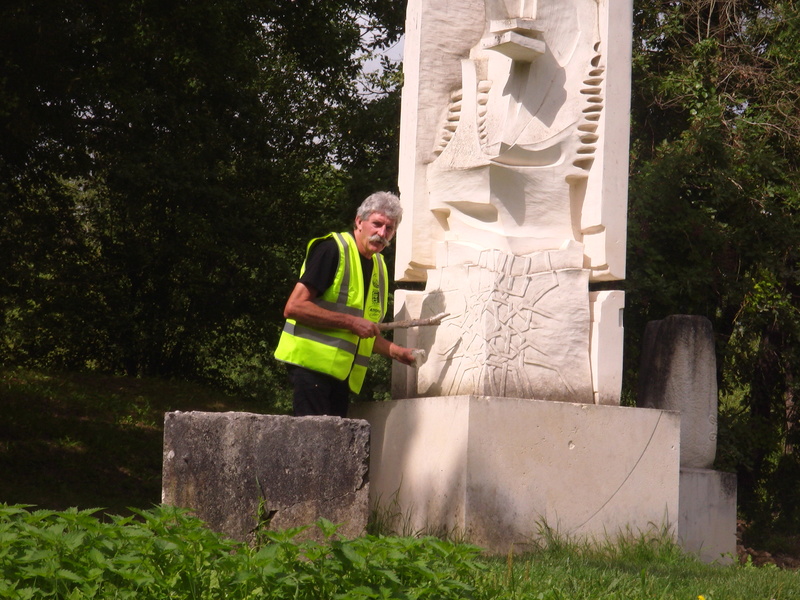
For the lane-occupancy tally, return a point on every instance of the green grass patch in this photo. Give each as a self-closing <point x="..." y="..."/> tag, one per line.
<point x="576" y="574"/>
<point x="88" y="440"/>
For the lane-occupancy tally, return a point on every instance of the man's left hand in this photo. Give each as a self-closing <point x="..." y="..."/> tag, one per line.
<point x="402" y="354"/>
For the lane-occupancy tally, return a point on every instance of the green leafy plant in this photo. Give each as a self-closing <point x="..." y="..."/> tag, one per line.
<point x="167" y="553"/>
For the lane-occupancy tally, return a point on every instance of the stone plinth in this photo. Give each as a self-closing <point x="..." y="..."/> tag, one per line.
<point x="496" y="469"/>
<point x="237" y="471"/>
<point x="707" y="514"/>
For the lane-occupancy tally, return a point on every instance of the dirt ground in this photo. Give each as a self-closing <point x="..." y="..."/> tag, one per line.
<point x="762" y="557"/>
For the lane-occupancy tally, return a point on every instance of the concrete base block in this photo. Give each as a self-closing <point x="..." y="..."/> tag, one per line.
<point x="707" y="514"/>
<point x="495" y="470"/>
<point x="241" y="471"/>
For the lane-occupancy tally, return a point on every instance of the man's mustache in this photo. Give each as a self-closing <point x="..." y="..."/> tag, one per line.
<point x="379" y="238"/>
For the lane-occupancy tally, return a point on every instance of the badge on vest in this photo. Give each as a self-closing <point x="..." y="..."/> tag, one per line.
<point x="374" y="313"/>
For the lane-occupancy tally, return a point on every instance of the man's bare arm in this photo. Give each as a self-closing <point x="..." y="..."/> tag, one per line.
<point x="301" y="307"/>
<point x="399" y="353"/>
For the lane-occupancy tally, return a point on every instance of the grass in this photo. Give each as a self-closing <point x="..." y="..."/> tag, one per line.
<point x="88" y="440"/>
<point x="640" y="568"/>
<point x="72" y="440"/>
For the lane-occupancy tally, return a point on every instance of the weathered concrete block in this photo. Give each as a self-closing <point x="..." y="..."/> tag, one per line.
<point x="238" y="470"/>
<point x="707" y="514"/>
<point x="495" y="469"/>
<point x="679" y="372"/>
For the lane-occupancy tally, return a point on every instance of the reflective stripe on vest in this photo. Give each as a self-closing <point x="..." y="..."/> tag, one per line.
<point x="315" y="335"/>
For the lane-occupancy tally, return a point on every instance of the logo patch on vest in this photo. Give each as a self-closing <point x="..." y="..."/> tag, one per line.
<point x="374" y="313"/>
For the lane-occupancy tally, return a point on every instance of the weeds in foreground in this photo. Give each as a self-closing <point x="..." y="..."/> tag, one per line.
<point x="165" y="553"/>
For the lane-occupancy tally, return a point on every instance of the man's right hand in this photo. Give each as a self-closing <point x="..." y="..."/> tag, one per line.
<point x="364" y="328"/>
<point x="301" y="307"/>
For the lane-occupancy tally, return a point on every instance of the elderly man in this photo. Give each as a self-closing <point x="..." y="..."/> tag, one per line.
<point x="332" y="313"/>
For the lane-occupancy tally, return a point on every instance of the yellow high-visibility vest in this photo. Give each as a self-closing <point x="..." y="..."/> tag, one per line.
<point x="339" y="352"/>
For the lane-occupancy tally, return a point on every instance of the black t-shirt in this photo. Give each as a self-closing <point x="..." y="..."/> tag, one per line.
<point x="321" y="265"/>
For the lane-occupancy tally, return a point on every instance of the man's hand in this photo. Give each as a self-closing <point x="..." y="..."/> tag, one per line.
<point x="301" y="307"/>
<point x="402" y="354"/>
<point x="407" y="356"/>
<point x="364" y="328"/>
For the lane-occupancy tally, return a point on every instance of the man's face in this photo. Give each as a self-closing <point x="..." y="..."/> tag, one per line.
<point x="374" y="234"/>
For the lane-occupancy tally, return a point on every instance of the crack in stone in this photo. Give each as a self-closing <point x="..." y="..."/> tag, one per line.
<point x="622" y="483"/>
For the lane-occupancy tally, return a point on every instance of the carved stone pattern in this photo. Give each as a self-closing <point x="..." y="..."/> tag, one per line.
<point x="508" y="336"/>
<point x="595" y="94"/>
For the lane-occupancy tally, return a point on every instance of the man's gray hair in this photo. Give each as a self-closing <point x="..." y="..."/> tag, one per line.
<point x="383" y="202"/>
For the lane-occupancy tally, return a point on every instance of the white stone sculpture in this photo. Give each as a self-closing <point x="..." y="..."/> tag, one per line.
<point x="513" y="176"/>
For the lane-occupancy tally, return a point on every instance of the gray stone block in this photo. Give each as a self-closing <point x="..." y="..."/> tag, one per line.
<point x="707" y="514"/>
<point x="678" y="372"/>
<point x="239" y="471"/>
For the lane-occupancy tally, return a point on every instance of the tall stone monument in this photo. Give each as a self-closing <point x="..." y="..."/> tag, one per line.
<point x="513" y="177"/>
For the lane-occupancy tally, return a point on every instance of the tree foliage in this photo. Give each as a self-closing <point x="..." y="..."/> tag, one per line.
<point x="714" y="227"/>
<point x="163" y="164"/>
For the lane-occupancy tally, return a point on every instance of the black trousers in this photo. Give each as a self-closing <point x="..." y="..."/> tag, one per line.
<point x="316" y="393"/>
